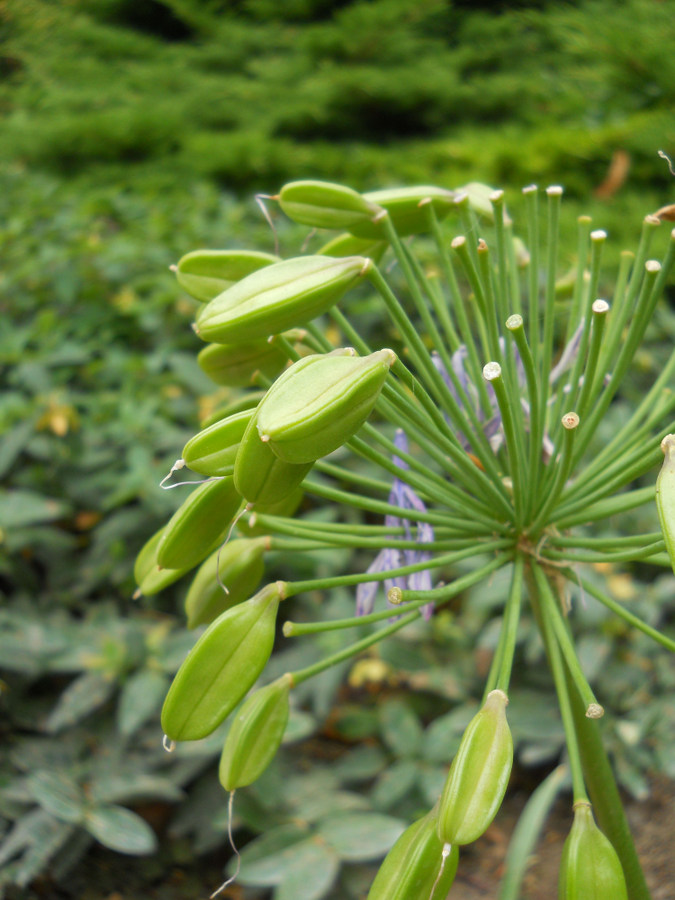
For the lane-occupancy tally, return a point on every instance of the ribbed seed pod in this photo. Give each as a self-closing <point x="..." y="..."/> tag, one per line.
<point x="665" y="496"/>
<point x="249" y="527"/>
<point x="235" y="365"/>
<point x="259" y="475"/>
<point x="278" y="297"/>
<point x="320" y="402"/>
<point x="590" y="868"/>
<point x="149" y="577"/>
<point x="349" y="245"/>
<point x="255" y="735"/>
<point x="204" y="274"/>
<point x="411" y="869"/>
<point x="214" y="449"/>
<point x="222" y="667"/>
<point x="406" y="208"/>
<point x="240" y="566"/>
<point x="479" y="774"/>
<point x="198" y="525"/>
<point x="249" y="400"/>
<point x="322" y="204"/>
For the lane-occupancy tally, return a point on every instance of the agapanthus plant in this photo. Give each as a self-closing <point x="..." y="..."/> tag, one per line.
<point x="482" y="421"/>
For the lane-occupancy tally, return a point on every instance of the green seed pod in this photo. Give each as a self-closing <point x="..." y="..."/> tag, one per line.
<point x="410" y="870"/>
<point x="348" y="245"/>
<point x="286" y="507"/>
<point x="222" y="667"/>
<point x="240" y="566"/>
<point x="665" y="496"/>
<point x="590" y="868"/>
<point x="281" y="295"/>
<point x="213" y="450"/>
<point x="321" y="204"/>
<point x="235" y="365"/>
<point x="479" y="199"/>
<point x="406" y="208"/>
<point x="204" y="274"/>
<point x="198" y="525"/>
<point x="249" y="400"/>
<point x="149" y="577"/>
<point x="320" y="402"/>
<point x="479" y="774"/>
<point x="255" y="735"/>
<point x="259" y="475"/>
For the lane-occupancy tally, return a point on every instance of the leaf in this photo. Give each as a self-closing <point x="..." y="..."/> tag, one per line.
<point x="266" y="860"/>
<point x="395" y="783"/>
<point x="313" y="869"/>
<point x="131" y="788"/>
<point x="300" y="726"/>
<point x="121" y="829"/>
<point x="82" y="696"/>
<point x="58" y="795"/>
<point x="357" y="837"/>
<point x="21" y="508"/>
<point x="141" y="696"/>
<point x="401" y="729"/>
<point x="360" y="764"/>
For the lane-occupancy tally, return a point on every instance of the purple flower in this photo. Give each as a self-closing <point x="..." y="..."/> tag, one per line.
<point x="402" y="495"/>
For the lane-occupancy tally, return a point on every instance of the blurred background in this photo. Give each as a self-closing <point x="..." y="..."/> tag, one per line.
<point x="134" y="131"/>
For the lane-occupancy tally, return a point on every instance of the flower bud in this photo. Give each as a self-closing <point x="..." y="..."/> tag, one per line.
<point x="665" y="496"/>
<point x="321" y="204"/>
<point x="255" y="735"/>
<point x="479" y="774"/>
<point x="234" y="365"/>
<point x="259" y="475"/>
<point x="349" y="245"/>
<point x="239" y="566"/>
<point x="590" y="868"/>
<point x="198" y="525"/>
<point x="204" y="274"/>
<point x="407" y="210"/>
<point x="222" y="667"/>
<point x="320" y="402"/>
<point x="285" y="507"/>
<point x="214" y="449"/>
<point x="410" y="870"/>
<point x="149" y="577"/>
<point x="277" y="297"/>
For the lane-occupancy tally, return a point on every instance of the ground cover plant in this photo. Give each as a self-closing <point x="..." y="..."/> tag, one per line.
<point x="481" y="424"/>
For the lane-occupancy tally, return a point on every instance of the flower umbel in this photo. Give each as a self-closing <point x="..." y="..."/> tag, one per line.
<point x="487" y="429"/>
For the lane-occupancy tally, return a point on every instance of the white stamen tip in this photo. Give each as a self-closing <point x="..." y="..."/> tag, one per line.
<point x="168" y="744"/>
<point x="600" y="306"/>
<point x="598" y="235"/>
<point x="570" y="420"/>
<point x="514" y="321"/>
<point x="491" y="371"/>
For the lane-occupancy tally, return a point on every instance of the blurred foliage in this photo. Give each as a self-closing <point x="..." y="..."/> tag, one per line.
<point x="253" y="93"/>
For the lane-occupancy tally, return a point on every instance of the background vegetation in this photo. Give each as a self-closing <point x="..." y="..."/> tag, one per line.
<point x="136" y="130"/>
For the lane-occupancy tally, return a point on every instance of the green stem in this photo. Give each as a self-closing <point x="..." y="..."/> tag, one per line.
<point x="558" y="672"/>
<point x="619" y="610"/>
<point x="436" y="562"/>
<point x="343" y="655"/>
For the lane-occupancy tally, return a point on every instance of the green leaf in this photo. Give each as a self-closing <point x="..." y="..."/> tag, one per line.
<point x="82" y="696"/>
<point x="357" y="837"/>
<point x="121" y="829"/>
<point x="21" y="508"/>
<point x="311" y="873"/>
<point x="266" y="860"/>
<point x="401" y="729"/>
<point x="395" y="783"/>
<point x="141" y="696"/>
<point x="113" y="787"/>
<point x="58" y="795"/>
